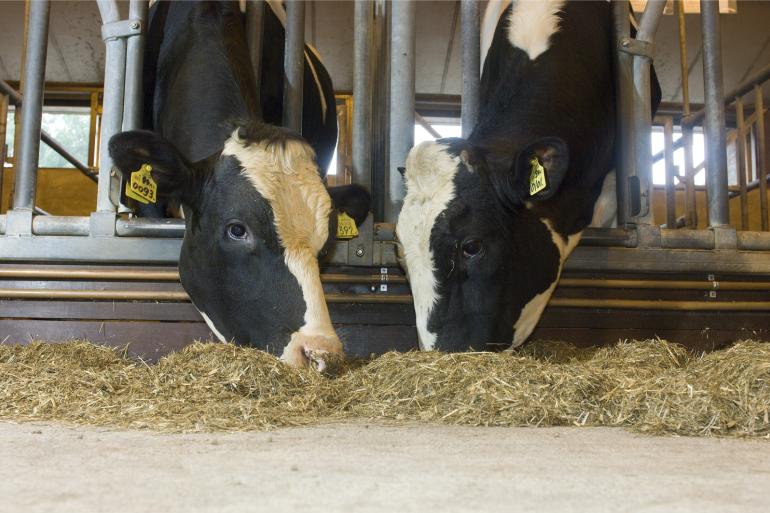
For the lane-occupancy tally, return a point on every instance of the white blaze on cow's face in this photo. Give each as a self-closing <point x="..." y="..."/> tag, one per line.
<point x="287" y="177"/>
<point x="430" y="172"/>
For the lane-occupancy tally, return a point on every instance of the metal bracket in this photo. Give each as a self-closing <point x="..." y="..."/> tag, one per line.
<point x="725" y="237"/>
<point x="18" y="222"/>
<point x="122" y="28"/>
<point x="102" y="224"/>
<point x="636" y="47"/>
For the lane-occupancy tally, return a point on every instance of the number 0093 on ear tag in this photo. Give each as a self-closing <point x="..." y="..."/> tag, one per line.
<point x="346" y="227"/>
<point x="537" y="178"/>
<point x="141" y="186"/>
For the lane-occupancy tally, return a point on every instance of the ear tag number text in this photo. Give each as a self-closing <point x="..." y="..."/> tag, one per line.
<point x="141" y="186"/>
<point x="537" y="178"/>
<point x="346" y="227"/>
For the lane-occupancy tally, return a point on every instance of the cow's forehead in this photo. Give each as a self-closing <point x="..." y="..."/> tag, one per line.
<point x="430" y="180"/>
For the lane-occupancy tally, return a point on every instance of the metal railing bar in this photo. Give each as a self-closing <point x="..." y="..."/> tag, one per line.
<point x="741" y="156"/>
<point x="294" y="65"/>
<point x="471" y="64"/>
<point x="762" y="157"/>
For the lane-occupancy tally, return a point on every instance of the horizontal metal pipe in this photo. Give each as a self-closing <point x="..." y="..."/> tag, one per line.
<point x="60" y="225"/>
<point x="149" y="295"/>
<point x="686" y="239"/>
<point x="662" y="284"/>
<point x="646" y="304"/>
<point x="746" y="86"/>
<point x="54" y="273"/>
<point x="609" y="237"/>
<point x="754" y="241"/>
<point x="173" y="228"/>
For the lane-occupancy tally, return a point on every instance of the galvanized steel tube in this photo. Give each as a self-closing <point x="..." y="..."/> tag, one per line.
<point x="363" y="69"/>
<point x="112" y="110"/>
<point x="402" y="72"/>
<point x="470" y="30"/>
<point x="690" y="216"/>
<point x="34" y="83"/>
<point x="714" y="123"/>
<point x="624" y="88"/>
<point x="132" y="102"/>
<point x="255" y="14"/>
<point x="643" y="109"/>
<point x="294" y="64"/>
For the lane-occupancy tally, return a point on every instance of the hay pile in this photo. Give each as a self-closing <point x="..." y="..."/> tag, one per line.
<point x="651" y="386"/>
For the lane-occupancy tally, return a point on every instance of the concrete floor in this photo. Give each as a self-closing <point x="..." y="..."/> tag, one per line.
<point x="376" y="468"/>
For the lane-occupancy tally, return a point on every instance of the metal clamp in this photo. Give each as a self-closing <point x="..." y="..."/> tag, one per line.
<point x="636" y="47"/>
<point x="123" y="28"/>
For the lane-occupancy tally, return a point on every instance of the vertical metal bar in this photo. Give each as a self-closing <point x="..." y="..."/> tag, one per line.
<point x="92" y="129"/>
<point x="624" y="87"/>
<point x="255" y="16"/>
<point x="759" y="106"/>
<point x="470" y="29"/>
<point x="714" y="122"/>
<point x="691" y="215"/>
<point x="3" y="149"/>
<point x="668" y="141"/>
<point x="380" y="108"/>
<point x="132" y="102"/>
<point x="643" y="111"/>
<point x="112" y="110"/>
<point x="740" y="144"/>
<point x="363" y="23"/>
<point x="294" y="64"/>
<point x="402" y="72"/>
<point x="34" y="73"/>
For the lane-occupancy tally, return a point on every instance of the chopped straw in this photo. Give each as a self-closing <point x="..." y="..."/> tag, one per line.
<point x="651" y="386"/>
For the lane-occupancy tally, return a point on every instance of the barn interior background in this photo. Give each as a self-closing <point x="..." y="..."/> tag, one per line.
<point x="689" y="259"/>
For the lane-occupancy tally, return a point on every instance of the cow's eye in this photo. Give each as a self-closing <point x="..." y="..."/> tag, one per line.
<point x="472" y="248"/>
<point x="236" y="231"/>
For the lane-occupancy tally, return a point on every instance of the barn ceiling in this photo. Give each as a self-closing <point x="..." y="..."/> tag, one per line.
<point x="76" y="52"/>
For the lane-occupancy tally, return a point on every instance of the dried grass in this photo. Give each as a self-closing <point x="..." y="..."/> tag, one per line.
<point x="651" y="386"/>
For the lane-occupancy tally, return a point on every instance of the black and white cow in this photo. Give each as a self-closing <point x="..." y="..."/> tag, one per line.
<point x="257" y="211"/>
<point x="488" y="222"/>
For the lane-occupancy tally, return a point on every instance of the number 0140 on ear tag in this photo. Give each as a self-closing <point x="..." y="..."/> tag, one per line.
<point x="141" y="186"/>
<point x="346" y="227"/>
<point x="537" y="178"/>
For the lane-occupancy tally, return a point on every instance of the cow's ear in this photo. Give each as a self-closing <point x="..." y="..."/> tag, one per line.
<point x="540" y="168"/>
<point x="354" y="200"/>
<point x="174" y="176"/>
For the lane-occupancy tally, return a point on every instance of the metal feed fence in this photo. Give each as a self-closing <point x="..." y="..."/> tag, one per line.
<point x="382" y="134"/>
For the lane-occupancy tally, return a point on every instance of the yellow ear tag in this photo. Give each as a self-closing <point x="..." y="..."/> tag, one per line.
<point x="346" y="227"/>
<point x="141" y="186"/>
<point x="537" y="178"/>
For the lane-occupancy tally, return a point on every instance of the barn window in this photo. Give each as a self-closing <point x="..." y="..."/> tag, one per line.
<point x="69" y="126"/>
<point x="698" y="156"/>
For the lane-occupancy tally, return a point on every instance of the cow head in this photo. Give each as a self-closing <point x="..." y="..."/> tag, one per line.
<point x="481" y="255"/>
<point x="257" y="217"/>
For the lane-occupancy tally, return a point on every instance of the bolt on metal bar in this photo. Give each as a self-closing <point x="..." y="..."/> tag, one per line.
<point x="132" y="102"/>
<point x="470" y="29"/>
<point x="112" y="110"/>
<point x="363" y="16"/>
<point x="402" y="73"/>
<point x="714" y="123"/>
<point x="294" y="64"/>
<point x="34" y="77"/>
<point x="668" y="141"/>
<point x="759" y="106"/>
<point x="742" y="153"/>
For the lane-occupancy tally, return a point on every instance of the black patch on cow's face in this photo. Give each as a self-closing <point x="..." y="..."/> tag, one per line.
<point x="492" y="256"/>
<point x="232" y="263"/>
